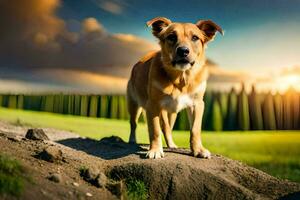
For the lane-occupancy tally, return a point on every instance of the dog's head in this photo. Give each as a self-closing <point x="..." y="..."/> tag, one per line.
<point x="183" y="44"/>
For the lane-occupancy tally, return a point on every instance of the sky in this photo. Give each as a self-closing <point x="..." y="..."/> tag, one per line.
<point x="99" y="38"/>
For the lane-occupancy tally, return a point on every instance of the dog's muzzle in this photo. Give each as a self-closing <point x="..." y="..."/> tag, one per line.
<point x="182" y="62"/>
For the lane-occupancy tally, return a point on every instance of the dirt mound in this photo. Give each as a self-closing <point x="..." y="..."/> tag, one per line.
<point x="181" y="176"/>
<point x="177" y="176"/>
<point x="184" y="177"/>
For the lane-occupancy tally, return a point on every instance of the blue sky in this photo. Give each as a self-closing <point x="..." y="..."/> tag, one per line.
<point x="258" y="34"/>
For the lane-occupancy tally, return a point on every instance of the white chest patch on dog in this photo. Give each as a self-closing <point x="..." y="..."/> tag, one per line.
<point x="176" y="104"/>
<point x="184" y="101"/>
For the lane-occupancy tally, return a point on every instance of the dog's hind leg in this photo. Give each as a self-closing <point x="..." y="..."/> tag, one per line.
<point x="134" y="111"/>
<point x="167" y="125"/>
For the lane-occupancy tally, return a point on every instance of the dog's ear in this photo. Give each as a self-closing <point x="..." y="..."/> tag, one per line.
<point x="158" y="24"/>
<point x="209" y="28"/>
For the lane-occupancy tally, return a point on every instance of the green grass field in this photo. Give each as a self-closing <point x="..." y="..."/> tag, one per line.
<point x="275" y="152"/>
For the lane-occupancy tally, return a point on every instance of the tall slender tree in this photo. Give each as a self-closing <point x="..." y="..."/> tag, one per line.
<point x="256" y="119"/>
<point x="269" y="113"/>
<point x="243" y="110"/>
<point x="287" y="110"/>
<point x="1" y="100"/>
<point x="223" y="101"/>
<point x="295" y="110"/>
<point x="122" y="109"/>
<point x="71" y="101"/>
<point x="49" y="102"/>
<point x="216" y="122"/>
<point x="93" y="106"/>
<point x="20" y="101"/>
<point x="278" y="108"/>
<point x="77" y="104"/>
<point x="231" y="117"/>
<point x="103" y="106"/>
<point x="12" y="101"/>
<point x="84" y="105"/>
<point x="182" y="121"/>
<point x="114" y="107"/>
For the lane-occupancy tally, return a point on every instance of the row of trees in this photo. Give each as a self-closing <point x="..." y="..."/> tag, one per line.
<point x="104" y="106"/>
<point x="223" y="111"/>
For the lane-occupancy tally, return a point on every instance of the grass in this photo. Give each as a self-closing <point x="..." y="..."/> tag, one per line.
<point x="136" y="190"/>
<point x="83" y="170"/>
<point x="11" y="176"/>
<point x="275" y="152"/>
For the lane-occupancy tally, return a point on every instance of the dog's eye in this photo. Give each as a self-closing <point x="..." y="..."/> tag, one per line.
<point x="195" y="38"/>
<point x="172" y="38"/>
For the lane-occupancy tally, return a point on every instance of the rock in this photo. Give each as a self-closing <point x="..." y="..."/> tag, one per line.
<point x="36" y="134"/>
<point x="76" y="184"/>
<point x="112" y="139"/>
<point x="43" y="192"/>
<point x="55" y="178"/>
<point x="51" y="154"/>
<point x="88" y="194"/>
<point x="15" y="138"/>
<point x="94" y="177"/>
<point x="89" y="174"/>
<point x="117" y="188"/>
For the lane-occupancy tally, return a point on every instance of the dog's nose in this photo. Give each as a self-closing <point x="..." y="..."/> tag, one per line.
<point x="182" y="51"/>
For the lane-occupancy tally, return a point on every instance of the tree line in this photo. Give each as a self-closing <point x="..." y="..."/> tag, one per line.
<point x="223" y="110"/>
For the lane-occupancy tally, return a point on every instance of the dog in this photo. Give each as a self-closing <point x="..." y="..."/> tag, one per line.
<point x="167" y="81"/>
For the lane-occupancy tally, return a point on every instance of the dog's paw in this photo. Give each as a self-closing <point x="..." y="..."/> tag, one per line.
<point x="155" y="153"/>
<point x="202" y="153"/>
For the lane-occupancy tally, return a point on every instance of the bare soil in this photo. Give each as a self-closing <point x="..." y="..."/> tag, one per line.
<point x="177" y="176"/>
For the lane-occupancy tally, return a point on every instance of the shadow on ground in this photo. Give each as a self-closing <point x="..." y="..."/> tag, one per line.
<point x="107" y="148"/>
<point x="112" y="147"/>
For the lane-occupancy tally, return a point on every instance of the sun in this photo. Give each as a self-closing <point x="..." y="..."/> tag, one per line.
<point x="287" y="81"/>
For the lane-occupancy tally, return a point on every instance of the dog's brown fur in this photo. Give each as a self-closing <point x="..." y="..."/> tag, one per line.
<point x="163" y="87"/>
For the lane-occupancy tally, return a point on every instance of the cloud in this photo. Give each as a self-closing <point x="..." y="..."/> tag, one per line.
<point x="221" y="79"/>
<point x="219" y="75"/>
<point x="97" y="83"/>
<point x="110" y="6"/>
<point x="34" y="37"/>
<point x="61" y="80"/>
<point x="295" y="70"/>
<point x="92" y="25"/>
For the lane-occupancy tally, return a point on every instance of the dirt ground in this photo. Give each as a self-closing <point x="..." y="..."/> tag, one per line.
<point x="177" y="176"/>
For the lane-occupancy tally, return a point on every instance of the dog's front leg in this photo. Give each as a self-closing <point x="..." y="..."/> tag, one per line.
<point x="195" y="114"/>
<point x="154" y="129"/>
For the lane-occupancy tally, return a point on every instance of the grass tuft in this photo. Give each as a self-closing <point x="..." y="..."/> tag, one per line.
<point x="83" y="170"/>
<point x="11" y="176"/>
<point x="136" y="190"/>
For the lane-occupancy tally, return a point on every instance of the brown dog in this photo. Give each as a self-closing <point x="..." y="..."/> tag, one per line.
<point x="165" y="82"/>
